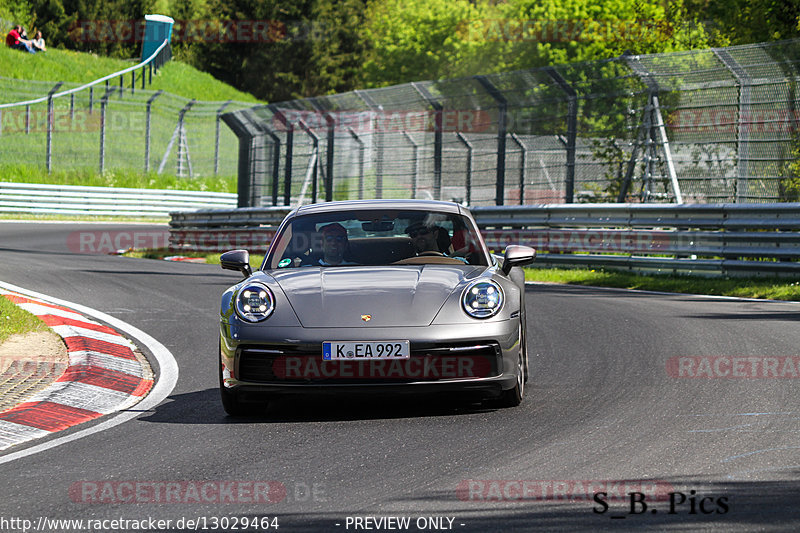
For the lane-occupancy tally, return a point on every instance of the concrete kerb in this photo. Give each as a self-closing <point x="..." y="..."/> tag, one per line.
<point x="106" y="374"/>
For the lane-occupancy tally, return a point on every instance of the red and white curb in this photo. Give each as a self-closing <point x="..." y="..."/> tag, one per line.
<point x="103" y="376"/>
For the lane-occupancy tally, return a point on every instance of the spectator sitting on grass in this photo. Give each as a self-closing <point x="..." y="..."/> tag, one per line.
<point x="14" y="40"/>
<point x="38" y="42"/>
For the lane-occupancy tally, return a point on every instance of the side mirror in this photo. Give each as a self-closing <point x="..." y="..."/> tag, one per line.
<point x="237" y="260"/>
<point x="516" y="255"/>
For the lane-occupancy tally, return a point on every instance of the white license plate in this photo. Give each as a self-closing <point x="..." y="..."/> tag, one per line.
<point x="365" y="350"/>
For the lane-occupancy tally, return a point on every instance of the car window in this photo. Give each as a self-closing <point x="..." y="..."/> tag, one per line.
<point x="378" y="237"/>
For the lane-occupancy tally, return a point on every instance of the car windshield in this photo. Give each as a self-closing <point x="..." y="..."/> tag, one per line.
<point x="377" y="237"/>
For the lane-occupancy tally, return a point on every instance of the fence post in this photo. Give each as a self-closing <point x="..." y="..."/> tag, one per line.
<point x="50" y="120"/>
<point x="572" y="132"/>
<point x="91" y="99"/>
<point x="355" y="137"/>
<point x="745" y="83"/>
<point x="375" y="107"/>
<point x="133" y="81"/>
<point x="103" y="104"/>
<point x="216" y="137"/>
<point x="121" y="85"/>
<point x="502" y="112"/>
<point x="276" y="141"/>
<point x="239" y="124"/>
<point x="415" y="176"/>
<point x="437" y="137"/>
<point x="315" y="154"/>
<point x="27" y="119"/>
<point x="523" y="153"/>
<point x="287" y="180"/>
<point x="468" y="183"/>
<point x="147" y="132"/>
<point x="329" y="150"/>
<point x="72" y="107"/>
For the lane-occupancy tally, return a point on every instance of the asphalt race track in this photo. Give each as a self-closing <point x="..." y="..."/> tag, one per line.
<point x="606" y="411"/>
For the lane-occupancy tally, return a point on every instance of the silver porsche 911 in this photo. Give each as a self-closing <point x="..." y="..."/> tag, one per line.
<point x="396" y="296"/>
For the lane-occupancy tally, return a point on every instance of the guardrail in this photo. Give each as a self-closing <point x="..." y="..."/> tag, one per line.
<point x="108" y="201"/>
<point x="708" y="239"/>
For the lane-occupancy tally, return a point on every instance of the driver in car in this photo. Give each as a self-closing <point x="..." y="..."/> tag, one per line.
<point x="424" y="238"/>
<point x="334" y="245"/>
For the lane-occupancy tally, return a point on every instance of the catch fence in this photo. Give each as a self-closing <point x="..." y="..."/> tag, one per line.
<point x="703" y="126"/>
<point x="114" y="123"/>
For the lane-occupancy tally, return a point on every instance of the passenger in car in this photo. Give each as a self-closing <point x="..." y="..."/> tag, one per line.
<point x="428" y="239"/>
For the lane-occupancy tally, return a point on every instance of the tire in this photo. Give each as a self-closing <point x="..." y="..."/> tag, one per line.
<point x="513" y="396"/>
<point x="231" y="403"/>
<point x="524" y="329"/>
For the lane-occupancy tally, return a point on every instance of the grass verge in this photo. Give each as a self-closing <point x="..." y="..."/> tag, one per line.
<point x="764" y="288"/>
<point x="210" y="258"/>
<point x="14" y="320"/>
<point x="129" y="178"/>
<point x="70" y="66"/>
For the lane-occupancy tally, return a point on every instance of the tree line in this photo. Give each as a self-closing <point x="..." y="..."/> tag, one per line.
<point x="284" y="49"/>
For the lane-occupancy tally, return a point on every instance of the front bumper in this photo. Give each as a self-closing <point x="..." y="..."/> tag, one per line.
<point x="480" y="358"/>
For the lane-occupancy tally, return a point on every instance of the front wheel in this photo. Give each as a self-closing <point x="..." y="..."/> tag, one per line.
<point x="513" y="397"/>
<point x="231" y="403"/>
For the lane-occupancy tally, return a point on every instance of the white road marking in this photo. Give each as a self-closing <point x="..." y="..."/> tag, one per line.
<point x="38" y="309"/>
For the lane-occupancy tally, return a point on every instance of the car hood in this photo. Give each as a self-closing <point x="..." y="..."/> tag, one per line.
<point x="391" y="296"/>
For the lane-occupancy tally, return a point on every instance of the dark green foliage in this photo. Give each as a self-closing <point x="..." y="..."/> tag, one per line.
<point x="327" y="46"/>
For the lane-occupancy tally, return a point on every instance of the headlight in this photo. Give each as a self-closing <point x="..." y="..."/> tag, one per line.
<point x="482" y="299"/>
<point x="254" y="303"/>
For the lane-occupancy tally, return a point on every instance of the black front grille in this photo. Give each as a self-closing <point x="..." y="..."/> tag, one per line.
<point x="304" y="364"/>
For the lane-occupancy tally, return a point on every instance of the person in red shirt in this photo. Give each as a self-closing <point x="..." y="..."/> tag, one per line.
<point x="14" y="40"/>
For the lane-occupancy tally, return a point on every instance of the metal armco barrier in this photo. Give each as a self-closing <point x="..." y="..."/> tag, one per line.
<point x="250" y="228"/>
<point x="707" y="239"/>
<point x="106" y="201"/>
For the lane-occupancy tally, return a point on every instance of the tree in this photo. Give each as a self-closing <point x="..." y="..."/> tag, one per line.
<point x="337" y="47"/>
<point x="270" y="63"/>
<point x="410" y="40"/>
